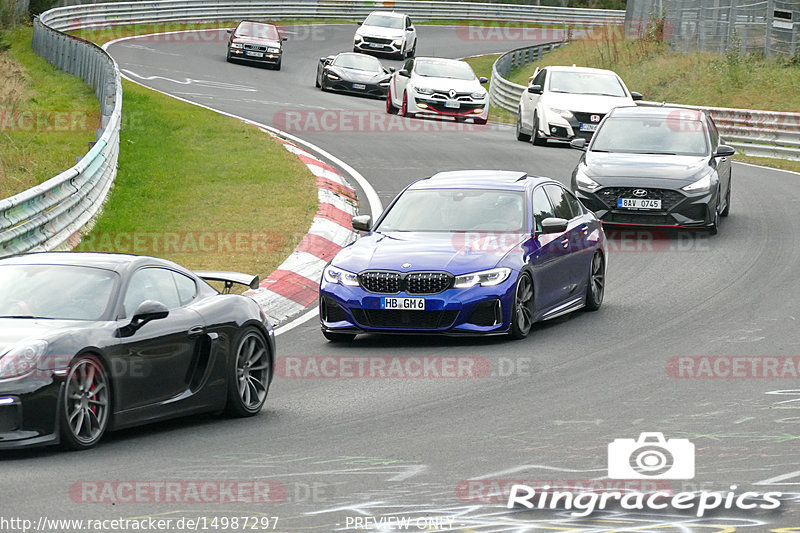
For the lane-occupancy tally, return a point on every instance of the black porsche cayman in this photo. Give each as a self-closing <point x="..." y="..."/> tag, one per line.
<point x="353" y="73"/>
<point x="93" y="342"/>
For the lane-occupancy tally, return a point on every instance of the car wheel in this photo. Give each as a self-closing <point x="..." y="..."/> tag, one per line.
<point x="278" y="65"/>
<point x="713" y="228"/>
<point x="481" y="121"/>
<point x="597" y="283"/>
<point x="524" y="137"/>
<point x="249" y="372"/>
<point x="535" y="135"/>
<point x="725" y="212"/>
<point x="405" y="107"/>
<point x="84" y="404"/>
<point x="338" y="337"/>
<point x="522" y="314"/>
<point x="390" y="108"/>
<point x="413" y="51"/>
<point x="316" y="82"/>
<point x="228" y="58"/>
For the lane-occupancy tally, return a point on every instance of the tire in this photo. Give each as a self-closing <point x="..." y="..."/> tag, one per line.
<point x="85" y="404"/>
<point x="597" y="283"/>
<point x="248" y="374"/>
<point x="228" y="58"/>
<point x="338" y="337"/>
<point x="538" y="141"/>
<point x="390" y="108"/>
<point x="413" y="51"/>
<point x="727" y="211"/>
<point x="316" y="83"/>
<point x="277" y="65"/>
<point x="524" y="137"/>
<point x="522" y="312"/>
<point x="405" y="107"/>
<point x="481" y="120"/>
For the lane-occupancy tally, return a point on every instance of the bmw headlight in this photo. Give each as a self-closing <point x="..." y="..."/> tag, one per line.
<point x="333" y="274"/>
<point x="22" y="359"/>
<point x="237" y="45"/>
<point x="562" y="112"/>
<point x="484" y="278"/>
<point x="478" y="95"/>
<point x="274" y="50"/>
<point x="703" y="184"/>
<point x="423" y="90"/>
<point x="585" y="182"/>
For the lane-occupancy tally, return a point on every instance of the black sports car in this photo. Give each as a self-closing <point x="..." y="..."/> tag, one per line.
<point x="353" y="73"/>
<point x="655" y="166"/>
<point x="93" y="342"/>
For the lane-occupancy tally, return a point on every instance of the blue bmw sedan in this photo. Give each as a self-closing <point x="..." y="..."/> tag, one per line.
<point x="470" y="252"/>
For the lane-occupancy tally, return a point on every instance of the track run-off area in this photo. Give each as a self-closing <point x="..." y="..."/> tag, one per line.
<point x="335" y="448"/>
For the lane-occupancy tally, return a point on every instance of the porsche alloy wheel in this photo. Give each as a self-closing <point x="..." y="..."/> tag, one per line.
<point x="85" y="404"/>
<point x="249" y="374"/>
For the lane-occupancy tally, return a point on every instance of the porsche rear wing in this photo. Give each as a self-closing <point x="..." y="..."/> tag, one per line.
<point x="229" y="278"/>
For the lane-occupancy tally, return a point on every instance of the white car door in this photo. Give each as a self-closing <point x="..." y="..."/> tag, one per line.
<point x="529" y="100"/>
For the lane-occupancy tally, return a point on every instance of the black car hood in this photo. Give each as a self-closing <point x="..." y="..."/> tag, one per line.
<point x="352" y="74"/>
<point x="16" y="330"/>
<point x="618" y="165"/>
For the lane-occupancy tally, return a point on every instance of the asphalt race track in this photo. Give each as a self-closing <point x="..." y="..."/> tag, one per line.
<point x="345" y="448"/>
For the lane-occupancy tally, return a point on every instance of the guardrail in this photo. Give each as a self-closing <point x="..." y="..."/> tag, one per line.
<point x="46" y="216"/>
<point x="506" y="94"/>
<point x="116" y="13"/>
<point x="752" y="132"/>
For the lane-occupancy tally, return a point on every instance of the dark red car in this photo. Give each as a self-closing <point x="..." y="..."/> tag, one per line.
<point x="256" y="42"/>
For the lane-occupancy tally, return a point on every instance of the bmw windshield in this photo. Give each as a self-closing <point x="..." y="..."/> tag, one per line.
<point x="60" y="292"/>
<point x="454" y="210"/>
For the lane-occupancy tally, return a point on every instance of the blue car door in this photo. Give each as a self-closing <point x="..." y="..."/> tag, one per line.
<point x="552" y="280"/>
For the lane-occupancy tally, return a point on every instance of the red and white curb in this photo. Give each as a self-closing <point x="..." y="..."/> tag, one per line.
<point x="294" y="285"/>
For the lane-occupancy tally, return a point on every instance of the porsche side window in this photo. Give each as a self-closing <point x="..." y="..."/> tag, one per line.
<point x="561" y="205"/>
<point x="187" y="289"/>
<point x="541" y="207"/>
<point x="151" y="284"/>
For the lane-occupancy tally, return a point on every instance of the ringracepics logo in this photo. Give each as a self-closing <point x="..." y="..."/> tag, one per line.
<point x="650" y="457"/>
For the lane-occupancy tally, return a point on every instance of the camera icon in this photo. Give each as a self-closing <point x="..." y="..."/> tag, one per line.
<point x="651" y="457"/>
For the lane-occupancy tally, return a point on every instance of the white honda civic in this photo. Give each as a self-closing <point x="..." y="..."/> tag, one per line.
<point x="436" y="86"/>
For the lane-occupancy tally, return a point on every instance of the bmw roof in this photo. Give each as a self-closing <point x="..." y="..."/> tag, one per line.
<point x="489" y="179"/>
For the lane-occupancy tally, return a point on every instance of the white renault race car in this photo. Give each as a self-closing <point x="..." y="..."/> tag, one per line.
<point x="436" y="86"/>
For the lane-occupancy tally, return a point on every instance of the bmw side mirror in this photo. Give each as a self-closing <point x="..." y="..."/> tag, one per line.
<point x="284" y="38"/>
<point x="362" y="223"/>
<point x="483" y="79"/>
<point x="554" y="225"/>
<point x="579" y="144"/>
<point x="636" y="96"/>
<point x="358" y="23"/>
<point x="723" y="150"/>
<point x="535" y="89"/>
<point x="228" y="31"/>
<point x="403" y="72"/>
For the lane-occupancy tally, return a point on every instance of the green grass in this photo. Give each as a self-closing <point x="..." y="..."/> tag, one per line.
<point x="662" y="74"/>
<point x="482" y="65"/>
<point x="47" y="117"/>
<point x="193" y="186"/>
